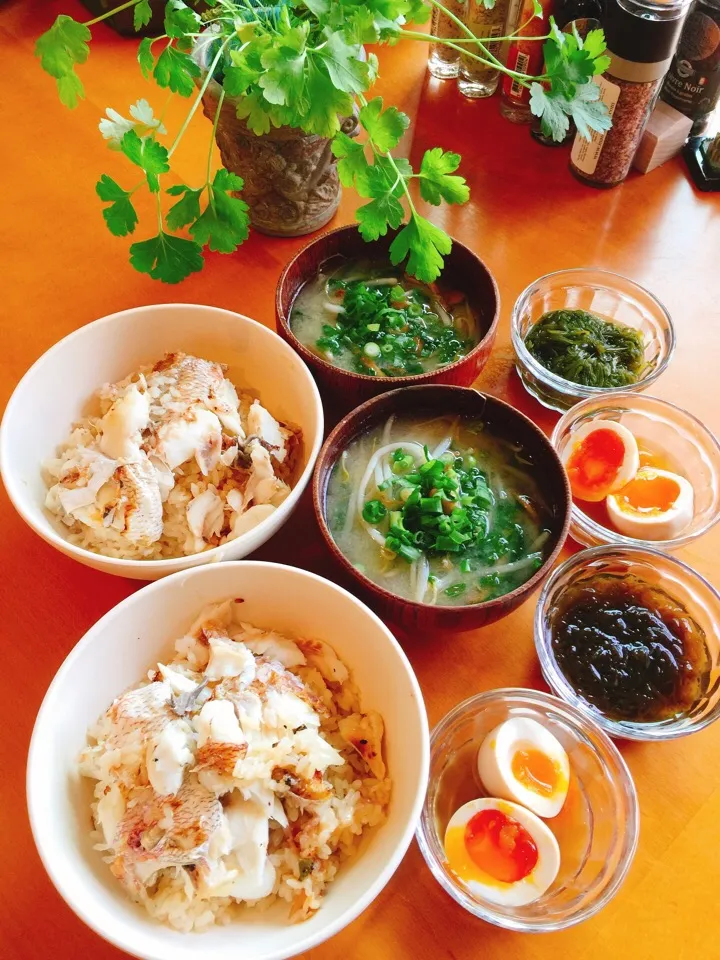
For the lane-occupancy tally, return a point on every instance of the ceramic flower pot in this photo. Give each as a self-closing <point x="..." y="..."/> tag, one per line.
<point x="291" y="180"/>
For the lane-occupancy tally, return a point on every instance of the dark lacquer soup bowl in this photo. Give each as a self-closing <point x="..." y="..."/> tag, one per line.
<point x="504" y="428"/>
<point x="464" y="272"/>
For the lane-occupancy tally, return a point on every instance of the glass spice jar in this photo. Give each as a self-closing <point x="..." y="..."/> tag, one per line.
<point x="443" y="61"/>
<point x="524" y="56"/>
<point x="477" y="79"/>
<point x="641" y="36"/>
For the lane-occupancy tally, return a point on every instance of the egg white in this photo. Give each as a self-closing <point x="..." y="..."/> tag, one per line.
<point x="656" y="525"/>
<point x="631" y="459"/>
<point x="495" y="764"/>
<point x="485" y="887"/>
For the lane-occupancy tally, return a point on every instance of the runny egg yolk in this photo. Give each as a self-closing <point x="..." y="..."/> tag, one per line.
<point x="500" y="846"/>
<point x="596" y="460"/>
<point x="536" y="771"/>
<point x="649" y="493"/>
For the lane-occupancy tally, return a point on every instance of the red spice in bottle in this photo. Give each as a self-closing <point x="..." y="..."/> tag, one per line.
<point x="524" y="56"/>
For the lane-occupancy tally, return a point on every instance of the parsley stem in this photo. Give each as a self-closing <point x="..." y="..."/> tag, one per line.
<point x="212" y="138"/>
<point x="111" y="13"/>
<point x="198" y="99"/>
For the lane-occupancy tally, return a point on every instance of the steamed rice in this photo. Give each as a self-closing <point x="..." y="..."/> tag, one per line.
<point x="172" y="462"/>
<point x="240" y="774"/>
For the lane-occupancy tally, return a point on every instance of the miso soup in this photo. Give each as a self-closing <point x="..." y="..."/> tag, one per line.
<point x="438" y="510"/>
<point x="370" y="318"/>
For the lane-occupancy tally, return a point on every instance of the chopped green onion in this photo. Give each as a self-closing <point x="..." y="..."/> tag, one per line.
<point x="456" y="589"/>
<point x="371" y="349"/>
<point x="374" y="511"/>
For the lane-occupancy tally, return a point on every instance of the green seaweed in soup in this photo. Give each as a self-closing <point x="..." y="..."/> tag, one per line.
<point x="438" y="511"/>
<point x="369" y="318"/>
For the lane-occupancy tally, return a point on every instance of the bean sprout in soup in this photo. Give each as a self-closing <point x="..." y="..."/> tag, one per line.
<point x="439" y="510"/>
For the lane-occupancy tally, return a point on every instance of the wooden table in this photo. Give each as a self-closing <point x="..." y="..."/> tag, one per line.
<point x="528" y="216"/>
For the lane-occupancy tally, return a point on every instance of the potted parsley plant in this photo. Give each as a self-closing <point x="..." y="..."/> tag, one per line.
<point x="284" y="84"/>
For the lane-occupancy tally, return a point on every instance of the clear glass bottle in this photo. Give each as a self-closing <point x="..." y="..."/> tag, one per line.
<point x="443" y="61"/>
<point x="477" y="79"/>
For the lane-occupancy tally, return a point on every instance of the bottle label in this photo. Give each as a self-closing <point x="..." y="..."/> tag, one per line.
<point x="692" y="84"/>
<point x="585" y="153"/>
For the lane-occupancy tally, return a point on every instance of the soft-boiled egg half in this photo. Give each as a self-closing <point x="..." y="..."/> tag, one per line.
<point x="654" y="505"/>
<point x="600" y="458"/>
<point x="501" y="852"/>
<point x="521" y="760"/>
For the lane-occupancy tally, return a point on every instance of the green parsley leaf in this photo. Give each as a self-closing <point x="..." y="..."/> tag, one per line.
<point x="283" y="81"/>
<point x="142" y="14"/>
<point x="239" y="77"/>
<point x="326" y="105"/>
<point x="145" y="57"/>
<point x="148" y="154"/>
<point x="60" y="48"/>
<point x="588" y="111"/>
<point x="375" y="217"/>
<point x="254" y="110"/>
<point x="180" y="19"/>
<point x="346" y="70"/>
<point x="551" y="110"/>
<point x="186" y="210"/>
<point x="425" y="245"/>
<point x="175" y="69"/>
<point x="167" y="258"/>
<point x="120" y="216"/>
<point x="537" y="9"/>
<point x="385" y="128"/>
<point x="225" y="223"/>
<point x="320" y="8"/>
<point x="352" y="162"/>
<point x="556" y="33"/>
<point x="436" y="182"/>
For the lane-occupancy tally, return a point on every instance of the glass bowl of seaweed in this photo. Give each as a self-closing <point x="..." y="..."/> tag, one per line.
<point x="587" y="332"/>
<point x="631" y="636"/>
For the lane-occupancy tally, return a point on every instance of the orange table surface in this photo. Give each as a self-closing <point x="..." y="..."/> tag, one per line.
<point x="62" y="269"/>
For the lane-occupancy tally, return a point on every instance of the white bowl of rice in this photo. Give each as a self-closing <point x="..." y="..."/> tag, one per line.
<point x="326" y="855"/>
<point x="160" y="438"/>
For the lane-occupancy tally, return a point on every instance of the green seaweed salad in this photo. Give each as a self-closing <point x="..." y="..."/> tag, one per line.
<point x="586" y="349"/>
<point x="369" y="321"/>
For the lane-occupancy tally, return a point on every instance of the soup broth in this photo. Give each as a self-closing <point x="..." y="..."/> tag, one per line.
<point x="369" y="318"/>
<point x="438" y="511"/>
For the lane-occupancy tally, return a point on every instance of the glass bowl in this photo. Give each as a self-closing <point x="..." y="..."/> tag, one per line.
<point x="597" y="829"/>
<point x="606" y="294"/>
<point x="684" y="584"/>
<point x="681" y="441"/>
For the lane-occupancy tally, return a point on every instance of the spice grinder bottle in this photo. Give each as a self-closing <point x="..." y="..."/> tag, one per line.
<point x="525" y="56"/>
<point x="444" y="62"/>
<point x="692" y="84"/>
<point x="641" y="36"/>
<point x="476" y="79"/>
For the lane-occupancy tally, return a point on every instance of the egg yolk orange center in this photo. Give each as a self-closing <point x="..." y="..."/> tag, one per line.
<point x="595" y="462"/>
<point x="500" y="846"/>
<point x="536" y="771"/>
<point x="649" y="494"/>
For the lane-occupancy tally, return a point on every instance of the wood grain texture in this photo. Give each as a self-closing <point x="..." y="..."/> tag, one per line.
<point x="528" y="216"/>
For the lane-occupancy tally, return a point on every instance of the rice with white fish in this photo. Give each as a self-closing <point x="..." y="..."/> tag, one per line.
<point x="241" y="773"/>
<point x="173" y="463"/>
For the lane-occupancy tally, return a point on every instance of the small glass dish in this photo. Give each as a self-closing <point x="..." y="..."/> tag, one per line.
<point x="597" y="829"/>
<point x="677" y="439"/>
<point x="606" y="294"/>
<point x="676" y="578"/>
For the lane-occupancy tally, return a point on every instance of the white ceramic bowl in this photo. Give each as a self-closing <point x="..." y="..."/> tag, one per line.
<point x="57" y="388"/>
<point x="118" y="651"/>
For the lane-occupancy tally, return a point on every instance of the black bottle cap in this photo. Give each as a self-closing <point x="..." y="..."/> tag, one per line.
<point x="637" y="34"/>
